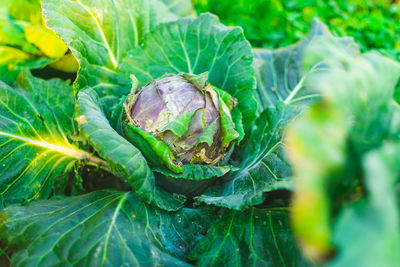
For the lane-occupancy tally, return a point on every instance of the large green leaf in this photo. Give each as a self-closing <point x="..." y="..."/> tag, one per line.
<point x="100" y="34"/>
<point x="263" y="166"/>
<point x="280" y="73"/>
<point x="124" y="160"/>
<point x="36" y="123"/>
<point x="255" y="237"/>
<point x="196" y="46"/>
<point x="103" y="228"/>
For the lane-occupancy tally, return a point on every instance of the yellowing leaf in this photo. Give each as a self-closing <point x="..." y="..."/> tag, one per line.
<point x="12" y="56"/>
<point x="46" y="40"/>
<point x="68" y="63"/>
<point x="316" y="150"/>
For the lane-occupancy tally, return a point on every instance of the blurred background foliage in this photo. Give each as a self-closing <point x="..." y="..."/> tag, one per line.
<point x="374" y="24"/>
<point x="25" y="42"/>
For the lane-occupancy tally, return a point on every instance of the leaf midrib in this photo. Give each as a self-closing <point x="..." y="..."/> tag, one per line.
<point x="112" y="223"/>
<point x="72" y="152"/>
<point x="103" y="36"/>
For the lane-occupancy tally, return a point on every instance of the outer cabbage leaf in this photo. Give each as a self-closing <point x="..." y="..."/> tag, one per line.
<point x="36" y="123"/>
<point x="103" y="228"/>
<point x="197" y="172"/>
<point x="263" y="166"/>
<point x="124" y="160"/>
<point x="100" y="34"/>
<point x="196" y="46"/>
<point x="281" y="75"/>
<point x="48" y="43"/>
<point x="255" y="237"/>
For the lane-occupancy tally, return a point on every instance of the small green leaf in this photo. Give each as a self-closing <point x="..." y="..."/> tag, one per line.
<point x="197" y="172"/>
<point x="194" y="179"/>
<point x="228" y="131"/>
<point x="238" y="121"/>
<point x="200" y="81"/>
<point x="181" y="125"/>
<point x="208" y="135"/>
<point x="154" y="149"/>
<point x="229" y="100"/>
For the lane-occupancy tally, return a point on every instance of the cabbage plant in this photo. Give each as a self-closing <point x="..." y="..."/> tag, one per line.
<point x="167" y="149"/>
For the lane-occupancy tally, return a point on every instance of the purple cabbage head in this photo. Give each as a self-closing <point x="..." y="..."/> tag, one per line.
<point x="185" y="113"/>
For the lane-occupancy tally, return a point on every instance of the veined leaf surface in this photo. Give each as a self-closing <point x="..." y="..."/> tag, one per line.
<point x="196" y="46"/>
<point x="100" y="33"/>
<point x="103" y="228"/>
<point x="281" y="87"/>
<point x="255" y="237"/>
<point x="36" y="123"/>
<point x="281" y="75"/>
<point x="263" y="165"/>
